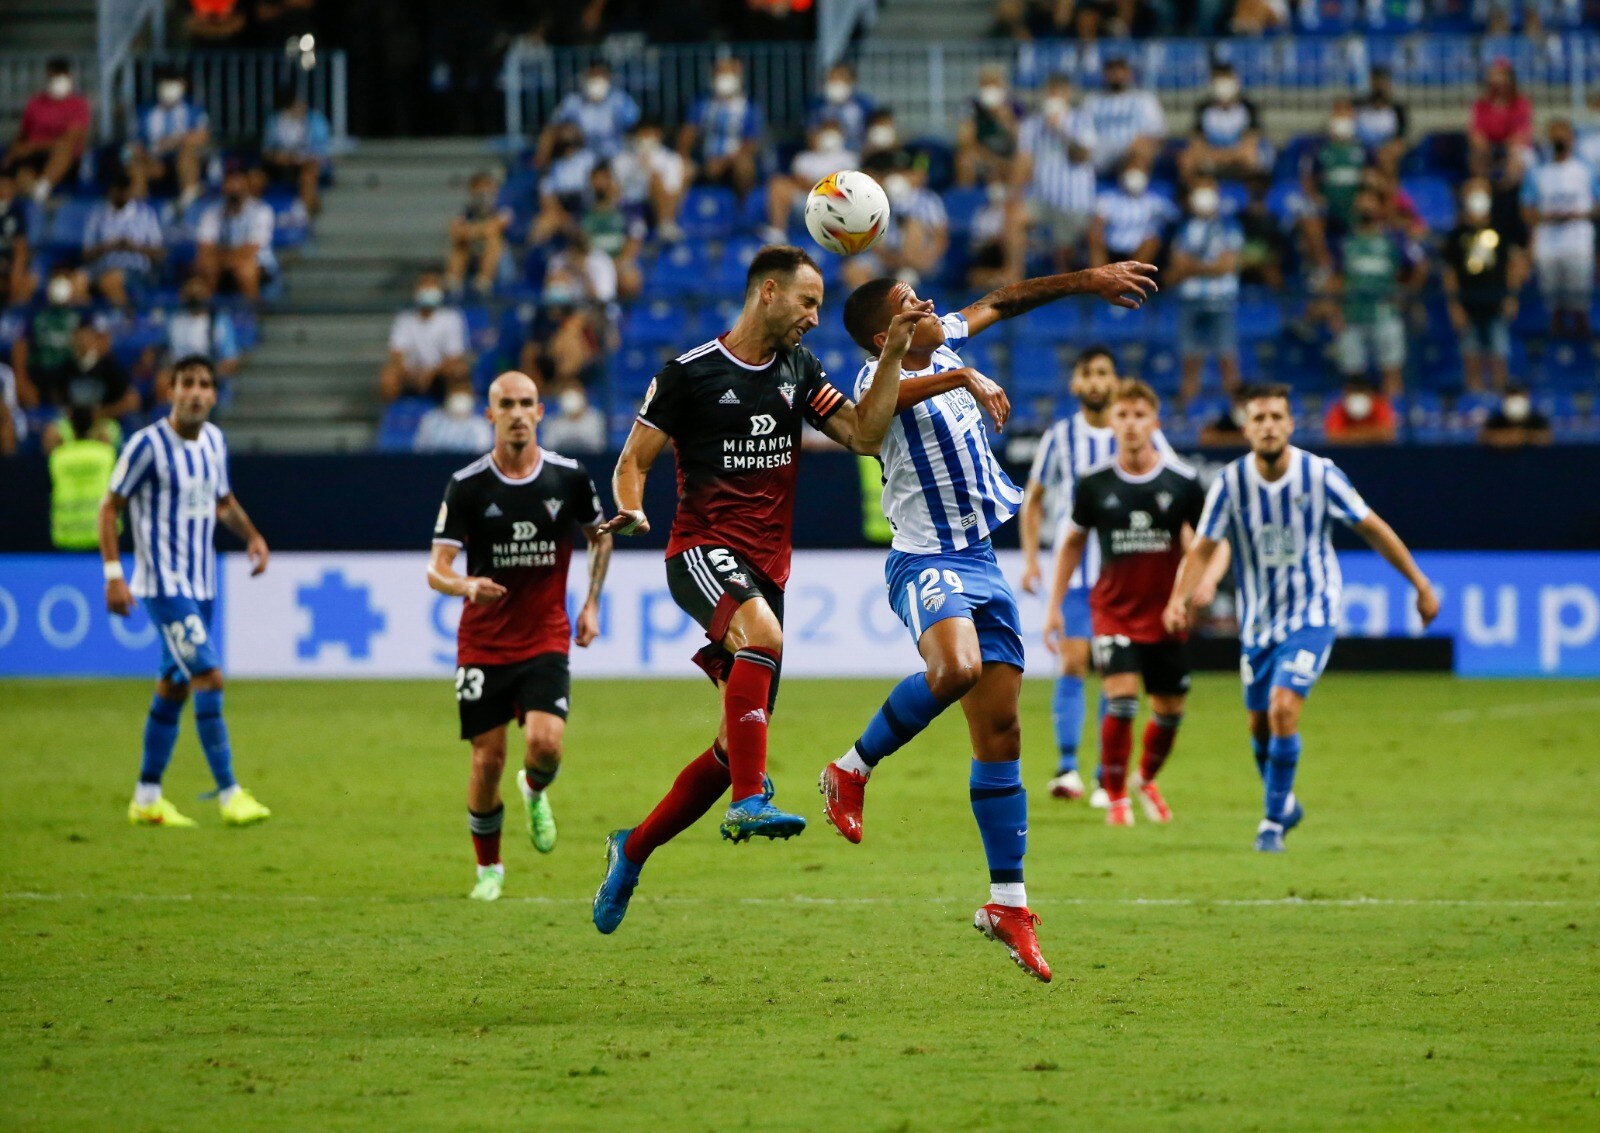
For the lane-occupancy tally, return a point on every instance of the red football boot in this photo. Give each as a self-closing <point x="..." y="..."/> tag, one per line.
<point x="842" y="796"/>
<point x="1013" y="927"/>
<point x="1155" y="807"/>
<point x="1120" y="813"/>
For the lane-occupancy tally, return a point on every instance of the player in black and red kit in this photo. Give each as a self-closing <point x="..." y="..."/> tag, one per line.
<point x="1144" y="507"/>
<point x="514" y="511"/>
<point x="733" y="409"/>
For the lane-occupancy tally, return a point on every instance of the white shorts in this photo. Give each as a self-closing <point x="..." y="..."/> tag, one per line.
<point x="1565" y="274"/>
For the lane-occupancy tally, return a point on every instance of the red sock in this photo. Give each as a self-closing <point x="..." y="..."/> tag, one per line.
<point x="695" y="791"/>
<point x="1159" y="735"/>
<point x="744" y="714"/>
<point x="485" y="830"/>
<point x="1116" y="748"/>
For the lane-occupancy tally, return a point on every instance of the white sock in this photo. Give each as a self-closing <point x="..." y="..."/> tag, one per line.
<point x="147" y="794"/>
<point x="498" y="867"/>
<point x="1268" y="824"/>
<point x="525" y="787"/>
<point x="225" y="795"/>
<point x="1010" y="893"/>
<point x="852" y="761"/>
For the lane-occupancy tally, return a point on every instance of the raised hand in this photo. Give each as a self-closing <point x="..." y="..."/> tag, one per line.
<point x="626" y="522"/>
<point x="989" y="395"/>
<point x="902" y="327"/>
<point x="1126" y="284"/>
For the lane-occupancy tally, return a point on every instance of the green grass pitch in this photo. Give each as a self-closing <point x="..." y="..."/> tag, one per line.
<point x="1425" y="956"/>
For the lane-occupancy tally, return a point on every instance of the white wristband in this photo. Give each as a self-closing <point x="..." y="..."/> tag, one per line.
<point x="113" y="570"/>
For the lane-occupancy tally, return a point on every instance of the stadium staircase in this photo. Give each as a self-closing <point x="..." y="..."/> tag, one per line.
<point x="312" y="383"/>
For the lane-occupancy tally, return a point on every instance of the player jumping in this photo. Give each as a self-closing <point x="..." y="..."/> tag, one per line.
<point x="513" y="511"/>
<point x="1143" y="504"/>
<point x="733" y="409"/>
<point x="1276" y="508"/>
<point x="945" y="494"/>
<point x="174" y="475"/>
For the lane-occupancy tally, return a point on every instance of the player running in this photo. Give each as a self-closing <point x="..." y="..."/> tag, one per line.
<point x="1276" y="508"/>
<point x="733" y="409"/>
<point x="945" y="494"/>
<point x="174" y="477"/>
<point x="1068" y="449"/>
<point x="1143" y="505"/>
<point x="513" y="512"/>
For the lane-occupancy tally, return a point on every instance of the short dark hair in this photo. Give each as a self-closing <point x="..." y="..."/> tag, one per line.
<point x="118" y="178"/>
<point x="777" y="260"/>
<point x="1264" y="391"/>
<point x="58" y="65"/>
<point x="1090" y="353"/>
<point x="190" y="362"/>
<point x="866" y="312"/>
<point x="81" y="418"/>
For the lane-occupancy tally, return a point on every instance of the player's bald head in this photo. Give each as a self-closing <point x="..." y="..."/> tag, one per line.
<point x="513" y="384"/>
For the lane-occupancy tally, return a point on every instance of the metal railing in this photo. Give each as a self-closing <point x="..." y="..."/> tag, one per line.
<point x="238" y="89"/>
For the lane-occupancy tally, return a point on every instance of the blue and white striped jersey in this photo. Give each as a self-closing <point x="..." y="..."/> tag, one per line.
<point x="943" y="488"/>
<point x="1058" y="182"/>
<point x="135" y="222"/>
<point x="1120" y="118"/>
<point x="1131" y="220"/>
<point x="1068" y="449"/>
<point x="603" y="123"/>
<point x="921" y="205"/>
<point x="1282" y="539"/>
<point x="172" y="487"/>
<point x="725" y="124"/>
<point x="1208" y="240"/>
<point x="157" y="123"/>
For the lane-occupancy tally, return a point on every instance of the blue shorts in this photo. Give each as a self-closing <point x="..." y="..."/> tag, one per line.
<point x="924" y="589"/>
<point x="1075" y="613"/>
<point x="1294" y="663"/>
<point x="1206" y="329"/>
<point x="186" y="644"/>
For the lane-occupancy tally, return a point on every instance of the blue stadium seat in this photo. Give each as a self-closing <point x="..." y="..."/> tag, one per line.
<point x="1037" y="368"/>
<point x="682" y="269"/>
<point x="1569" y="365"/>
<point x="399" y="424"/>
<point x="1260" y="315"/>
<point x="1435" y="200"/>
<point x="632" y="368"/>
<point x="710" y="212"/>
<point x="962" y="205"/>
<point x="1159" y="366"/>
<point x="657" y="323"/>
<point x="1057" y="320"/>
<point x="66" y="228"/>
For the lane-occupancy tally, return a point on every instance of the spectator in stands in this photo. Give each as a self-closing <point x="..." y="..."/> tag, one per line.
<point x="1054" y="173"/>
<point x="564" y="184"/>
<point x="477" y="237"/>
<point x="427" y="345"/>
<point x="652" y="177"/>
<point x="1258" y="17"/>
<point x="611" y="232"/>
<point x="234" y="240"/>
<point x="122" y="243"/>
<point x="42" y="353"/>
<point x="1227" y="140"/>
<point x="92" y="380"/>
<point x="51" y="136"/>
<point x="1094" y="19"/>
<point x="1561" y="198"/>
<point x="1330" y="178"/>
<point x="1381" y="122"/>
<point x="13" y="419"/>
<point x="580" y="273"/>
<point x="578" y="428"/>
<point x="1265" y="252"/>
<point x="883" y="141"/>
<point x="1205" y="268"/>
<point x="1500" y="131"/>
<point x="1360" y="415"/>
<point x="1483" y="274"/>
<point x="17" y="280"/>
<point x="602" y="113"/>
<point x="841" y="106"/>
<point x="1129" y="221"/>
<point x="914" y="247"/>
<point x="565" y="343"/>
<point x="1011" y="20"/>
<point x="1515" y="422"/>
<point x="456" y="425"/>
<point x="1376" y="263"/>
<point x="986" y="140"/>
<point x="1129" y="125"/>
<point x="1226" y="430"/>
<point x="297" y="146"/>
<point x="990" y="244"/>
<point x="724" y="132"/>
<point x="825" y="153"/>
<point x="173" y="137"/>
<point x="198" y="328"/>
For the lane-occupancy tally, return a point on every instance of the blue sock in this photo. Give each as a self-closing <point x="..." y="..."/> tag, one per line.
<point x="1283" y="756"/>
<point x="160" y="737"/>
<point x="1001" y="807"/>
<point x="1067" y="707"/>
<point x="214" y="736"/>
<point x="1099" y="718"/>
<point x="910" y="708"/>
<point x="1259" y="749"/>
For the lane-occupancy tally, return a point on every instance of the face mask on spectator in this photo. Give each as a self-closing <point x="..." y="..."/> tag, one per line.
<point x="429" y="297"/>
<point x="646" y="144"/>
<point x="1342" y="128"/>
<point x="1205" y="201"/>
<point x="87" y="359"/>
<point x="1225" y="88"/>
<point x="1358" y="405"/>
<point x="60" y="291"/>
<point x="990" y="97"/>
<point x="1055" y="107"/>
<point x="460" y="404"/>
<point x="837" y="90"/>
<point x="573" y="402"/>
<point x="59" y="86"/>
<point x="726" y="85"/>
<point x="1477" y="203"/>
<point x="561" y="293"/>
<point x="997" y="192"/>
<point x="1135" y="181"/>
<point x="896" y="185"/>
<point x="881" y="136"/>
<point x="1516" y="407"/>
<point x="596" y="87"/>
<point x="170" y="92"/>
<point x="830" y="141"/>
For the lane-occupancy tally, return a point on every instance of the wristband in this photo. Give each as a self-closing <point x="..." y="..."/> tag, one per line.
<point x="113" y="570"/>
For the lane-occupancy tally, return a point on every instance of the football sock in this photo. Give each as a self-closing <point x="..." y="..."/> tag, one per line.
<point x="744" y="712"/>
<point x="1160" y="733"/>
<point x="1283" y="757"/>
<point x="695" y="791"/>
<point x="538" y="778"/>
<point x="1067" y="707"/>
<point x="1000" y="804"/>
<point x="1116" y="743"/>
<point x="486" y="833"/>
<point x="1259" y="749"/>
<point x="213" y="731"/>
<point x="910" y="708"/>
<point x="160" y="737"/>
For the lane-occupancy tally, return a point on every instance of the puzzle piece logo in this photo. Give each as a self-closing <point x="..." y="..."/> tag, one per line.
<point x="341" y="614"/>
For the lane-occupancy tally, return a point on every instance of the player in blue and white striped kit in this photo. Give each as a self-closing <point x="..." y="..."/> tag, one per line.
<point x="173" y="478"/>
<point x="1276" y="508"/>
<point x="945" y="494"/>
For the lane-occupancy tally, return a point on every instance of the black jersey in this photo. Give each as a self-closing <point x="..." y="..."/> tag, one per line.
<point x="736" y="429"/>
<point x="519" y="533"/>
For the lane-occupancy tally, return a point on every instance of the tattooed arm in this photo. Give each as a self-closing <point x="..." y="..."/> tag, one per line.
<point x="1127" y="284"/>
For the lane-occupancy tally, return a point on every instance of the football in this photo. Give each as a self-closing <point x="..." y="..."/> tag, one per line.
<point x="847" y="212"/>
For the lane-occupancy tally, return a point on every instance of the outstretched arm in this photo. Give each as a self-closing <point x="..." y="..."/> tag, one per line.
<point x="1381" y="538"/>
<point x="1127" y="284"/>
<point x="861" y="426"/>
<point x="643" y="445"/>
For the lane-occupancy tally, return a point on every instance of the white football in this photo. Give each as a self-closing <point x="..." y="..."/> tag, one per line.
<point x="847" y="212"/>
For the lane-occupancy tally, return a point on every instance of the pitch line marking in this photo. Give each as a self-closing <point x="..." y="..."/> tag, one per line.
<point x="1526" y="708"/>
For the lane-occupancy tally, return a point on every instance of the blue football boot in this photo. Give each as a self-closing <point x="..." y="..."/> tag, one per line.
<point x="1269" y="838"/>
<point x="757" y="817"/>
<point x="611" y="899"/>
<point x="1296" y="813"/>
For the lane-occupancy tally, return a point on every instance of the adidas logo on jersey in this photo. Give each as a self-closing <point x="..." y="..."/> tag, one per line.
<point x="729" y="398"/>
<point x="493" y="512"/>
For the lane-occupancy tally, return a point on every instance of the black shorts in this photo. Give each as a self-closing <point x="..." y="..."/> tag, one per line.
<point x="709" y="584"/>
<point x="491" y="695"/>
<point x="1163" y="666"/>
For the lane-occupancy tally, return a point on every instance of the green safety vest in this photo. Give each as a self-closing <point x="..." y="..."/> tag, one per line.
<point x="80" y="472"/>
<point x="874" y="524"/>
